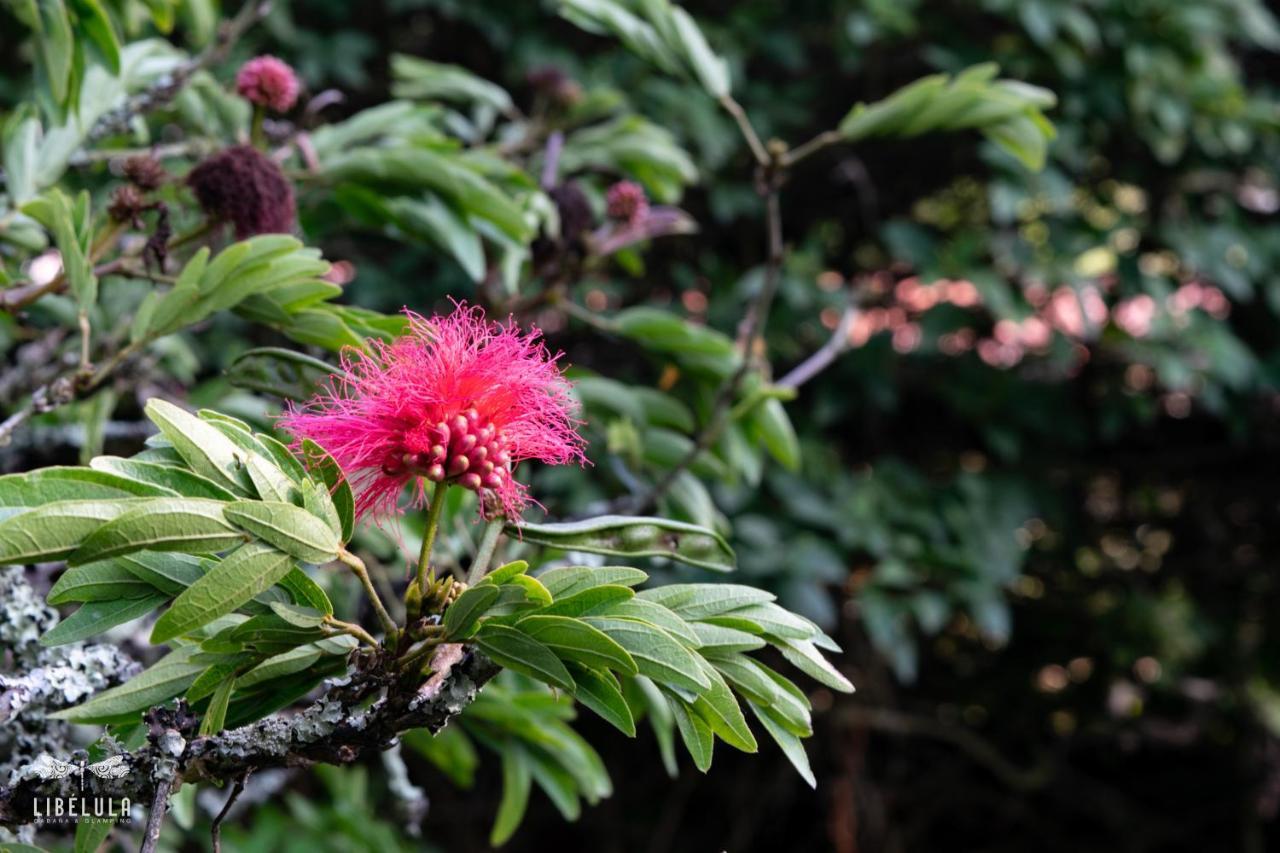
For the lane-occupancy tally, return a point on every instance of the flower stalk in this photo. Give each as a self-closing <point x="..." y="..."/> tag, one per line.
<point x="434" y="510"/>
<point x="484" y="553"/>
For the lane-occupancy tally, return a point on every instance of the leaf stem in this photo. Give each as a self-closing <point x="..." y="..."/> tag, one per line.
<point x="429" y="535"/>
<point x="361" y="571"/>
<point x="484" y="553"/>
<point x="352" y="629"/>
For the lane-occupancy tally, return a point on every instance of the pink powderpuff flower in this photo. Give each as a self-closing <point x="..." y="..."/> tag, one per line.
<point x="268" y="82"/>
<point x="457" y="399"/>
<point x="626" y="201"/>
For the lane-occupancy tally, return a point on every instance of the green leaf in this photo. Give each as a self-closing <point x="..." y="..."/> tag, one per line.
<point x="60" y="483"/>
<point x="661" y="721"/>
<point x="98" y="616"/>
<point x="719" y="639"/>
<point x="164" y="680"/>
<point x="90" y="835"/>
<point x="281" y="372"/>
<point x="809" y="660"/>
<point x="773" y="429"/>
<point x="215" y="716"/>
<point x="103" y="581"/>
<point x="55" y="530"/>
<point x="246" y="572"/>
<point x="720" y="709"/>
<point x="168" y="572"/>
<point x="566" y="581"/>
<point x="291" y="529"/>
<point x="1008" y="112"/>
<point x="93" y="21"/>
<point x="657" y="654"/>
<point x="190" y="525"/>
<point x="420" y="79"/>
<point x="596" y="599"/>
<point x="462" y="617"/>
<point x="628" y="536"/>
<point x="516" y="781"/>
<point x="696" y="733"/>
<point x="281" y="665"/>
<point x="319" y="462"/>
<point x="696" y="601"/>
<point x="450" y="750"/>
<point x="444" y="173"/>
<point x="575" y="640"/>
<point x="517" y="650"/>
<point x="206" y="450"/>
<point x="655" y="614"/>
<point x="298" y="616"/>
<point x="599" y="691"/>
<point x="791" y="745"/>
<point x="505" y="573"/>
<point x="69" y="223"/>
<point x="306" y="592"/>
<point x="167" y="479"/>
<point x="767" y="618"/>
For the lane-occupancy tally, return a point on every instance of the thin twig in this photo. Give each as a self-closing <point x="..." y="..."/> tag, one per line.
<point x="838" y="343"/>
<point x="362" y="572"/>
<point x="735" y="109"/>
<point x="822" y="140"/>
<point x="429" y="534"/>
<point x="350" y="628"/>
<point x="167" y="88"/>
<point x="236" y="790"/>
<point x="155" y="820"/>
<point x="753" y="323"/>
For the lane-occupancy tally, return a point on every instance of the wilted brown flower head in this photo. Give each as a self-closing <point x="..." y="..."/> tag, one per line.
<point x="246" y="188"/>
<point x="145" y="172"/>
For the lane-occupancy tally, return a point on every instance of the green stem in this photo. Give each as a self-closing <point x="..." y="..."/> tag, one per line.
<point x="484" y="554"/>
<point x="419" y="653"/>
<point x="429" y="535"/>
<point x="255" y="129"/>
<point x="362" y="572"/>
<point x="350" y="628"/>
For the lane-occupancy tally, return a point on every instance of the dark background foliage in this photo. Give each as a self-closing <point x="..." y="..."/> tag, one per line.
<point x="1107" y="680"/>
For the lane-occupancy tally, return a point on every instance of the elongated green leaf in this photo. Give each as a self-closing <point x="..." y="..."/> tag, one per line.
<point x="98" y="616"/>
<point x="643" y="610"/>
<point x="720" y="709"/>
<point x="300" y="617"/>
<point x="306" y="592"/>
<point x="648" y="699"/>
<point x="517" y="650"/>
<point x="321" y="463"/>
<point x="62" y="483"/>
<point x="773" y="429"/>
<point x="657" y="654"/>
<point x="206" y="450"/>
<point x="164" y="680"/>
<point x="767" y="618"/>
<point x="166" y="479"/>
<point x="168" y="572"/>
<point x="215" y="716"/>
<point x="462" y="617"/>
<point x="573" y="639"/>
<point x="103" y="581"/>
<point x="505" y="573"/>
<point x="287" y="663"/>
<point x="190" y="525"/>
<point x="717" y="638"/>
<point x="565" y="581"/>
<point x="596" y="599"/>
<point x="516" y="781"/>
<point x="291" y="529"/>
<point x="55" y="530"/>
<point x="696" y="733"/>
<point x="791" y="746"/>
<point x="809" y="660"/>
<point x="600" y="692"/>
<point x="635" y="537"/>
<point x="701" y="600"/>
<point x="247" y="571"/>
